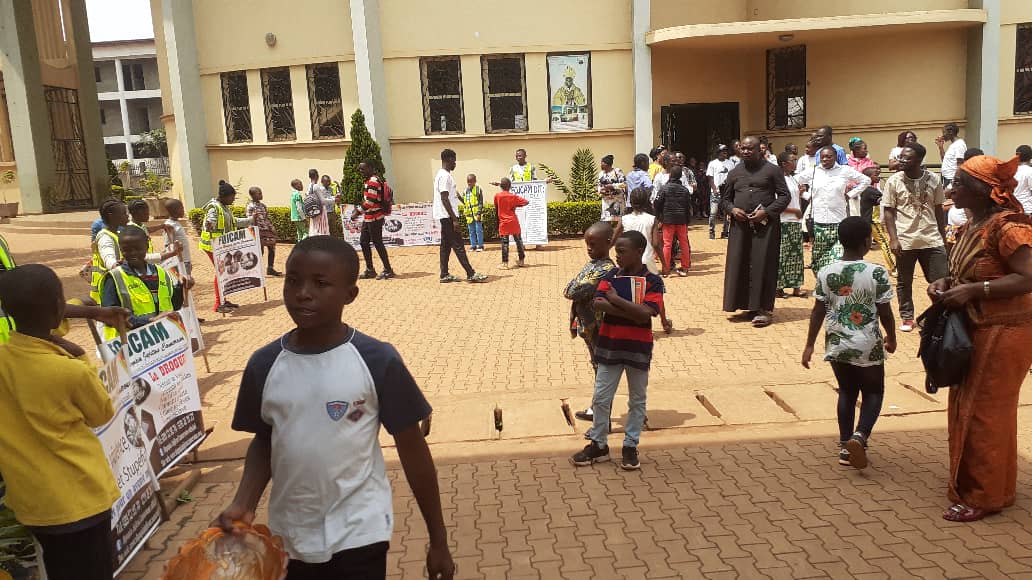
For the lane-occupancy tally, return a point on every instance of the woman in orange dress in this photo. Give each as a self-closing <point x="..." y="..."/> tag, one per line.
<point x="991" y="277"/>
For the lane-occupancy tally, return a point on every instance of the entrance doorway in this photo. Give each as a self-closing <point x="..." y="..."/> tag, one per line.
<point x="696" y="129"/>
<point x="72" y="190"/>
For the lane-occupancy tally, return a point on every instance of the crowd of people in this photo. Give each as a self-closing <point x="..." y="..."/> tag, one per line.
<point x="969" y="228"/>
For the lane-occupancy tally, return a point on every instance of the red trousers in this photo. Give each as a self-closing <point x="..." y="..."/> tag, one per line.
<point x="680" y="231"/>
<point x="218" y="299"/>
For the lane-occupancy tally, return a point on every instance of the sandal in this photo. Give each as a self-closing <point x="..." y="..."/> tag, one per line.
<point x="761" y="320"/>
<point x="959" y="512"/>
<point x="799" y="293"/>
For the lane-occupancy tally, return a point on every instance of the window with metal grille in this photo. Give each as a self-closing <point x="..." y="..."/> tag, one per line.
<point x="132" y="77"/>
<point x="505" y="93"/>
<point x="236" y="107"/>
<point x="279" y="104"/>
<point x="1023" y="70"/>
<point x="324" y="101"/>
<point x="786" y="88"/>
<point x="442" y="95"/>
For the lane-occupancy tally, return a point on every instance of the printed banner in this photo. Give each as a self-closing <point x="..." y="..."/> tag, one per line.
<point x="533" y="217"/>
<point x="408" y="225"/>
<point x="174" y="267"/>
<point x="569" y="84"/>
<point x="164" y="390"/>
<point x="136" y="513"/>
<point x="238" y="260"/>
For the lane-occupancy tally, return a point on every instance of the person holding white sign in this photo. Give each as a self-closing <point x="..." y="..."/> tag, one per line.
<point x="218" y="219"/>
<point x="145" y="289"/>
<point x="505" y="203"/>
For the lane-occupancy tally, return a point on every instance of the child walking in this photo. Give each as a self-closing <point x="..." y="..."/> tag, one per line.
<point x="257" y="211"/>
<point x="297" y="209"/>
<point x="331" y="502"/>
<point x="623" y="345"/>
<point x="59" y="482"/>
<point x="853" y="295"/>
<point x="473" y="207"/>
<point x="581" y="291"/>
<point x="641" y="220"/>
<point x="505" y="203"/>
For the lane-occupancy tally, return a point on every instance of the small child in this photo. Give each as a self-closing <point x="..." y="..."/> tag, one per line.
<point x="257" y="211"/>
<point x="623" y="344"/>
<point x="852" y="296"/>
<point x="175" y="232"/>
<point x="139" y="215"/>
<point x="641" y="220"/>
<point x="473" y="207"/>
<point x="297" y="209"/>
<point x="505" y="203"/>
<point x="59" y="482"/>
<point x="145" y="289"/>
<point x="581" y="291"/>
<point x="335" y="516"/>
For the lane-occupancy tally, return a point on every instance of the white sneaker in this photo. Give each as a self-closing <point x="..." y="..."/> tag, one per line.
<point x="907" y="326"/>
<point x="480" y="249"/>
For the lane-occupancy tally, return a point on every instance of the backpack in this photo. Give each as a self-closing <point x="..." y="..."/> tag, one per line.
<point x="313" y="203"/>
<point x="387" y="201"/>
<point x="946" y="347"/>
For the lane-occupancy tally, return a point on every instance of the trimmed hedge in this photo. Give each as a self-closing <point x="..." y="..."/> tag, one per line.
<point x="565" y="218"/>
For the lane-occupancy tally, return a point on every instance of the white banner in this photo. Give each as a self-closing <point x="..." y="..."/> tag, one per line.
<point x="408" y="225"/>
<point x="175" y="268"/>
<point x="533" y="217"/>
<point x="238" y="261"/>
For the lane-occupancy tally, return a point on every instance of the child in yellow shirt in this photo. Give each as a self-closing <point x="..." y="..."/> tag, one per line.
<point x="59" y="483"/>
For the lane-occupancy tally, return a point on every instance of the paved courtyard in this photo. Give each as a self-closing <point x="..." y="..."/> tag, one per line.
<point x="739" y="478"/>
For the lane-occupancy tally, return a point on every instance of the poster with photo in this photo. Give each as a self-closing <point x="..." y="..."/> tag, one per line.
<point x="136" y="514"/>
<point x="408" y="225"/>
<point x="175" y="268"/>
<point x="238" y="261"/>
<point x="569" y="90"/>
<point x="534" y="216"/>
<point x="163" y="387"/>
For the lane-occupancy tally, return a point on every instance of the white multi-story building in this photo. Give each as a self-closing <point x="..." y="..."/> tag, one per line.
<point x="126" y="73"/>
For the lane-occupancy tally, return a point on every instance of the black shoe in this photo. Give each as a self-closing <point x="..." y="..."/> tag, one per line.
<point x="585" y="415"/>
<point x="630" y="459"/>
<point x="712" y="236"/>
<point x="223" y="309"/>
<point x="229" y="304"/>
<point x="385" y="275"/>
<point x="591" y="453"/>
<point x="843" y="455"/>
<point x="271" y="272"/>
<point x="857" y="447"/>
<point x="368" y="274"/>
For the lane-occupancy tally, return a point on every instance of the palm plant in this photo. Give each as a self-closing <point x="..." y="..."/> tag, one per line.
<point x="582" y="184"/>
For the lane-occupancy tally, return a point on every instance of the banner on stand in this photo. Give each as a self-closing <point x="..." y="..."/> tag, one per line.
<point x="238" y="261"/>
<point x="534" y="216"/>
<point x="189" y="314"/>
<point x="408" y="225"/>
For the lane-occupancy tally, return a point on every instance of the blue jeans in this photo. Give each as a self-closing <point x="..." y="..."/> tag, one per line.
<point x="607" y="379"/>
<point x="476" y="235"/>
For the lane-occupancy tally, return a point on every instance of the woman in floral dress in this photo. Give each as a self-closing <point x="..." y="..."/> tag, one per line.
<point x="613" y="191"/>
<point x="260" y="214"/>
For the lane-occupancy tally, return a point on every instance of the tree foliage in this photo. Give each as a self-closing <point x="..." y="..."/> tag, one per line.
<point x="363" y="147"/>
<point x="582" y="184"/>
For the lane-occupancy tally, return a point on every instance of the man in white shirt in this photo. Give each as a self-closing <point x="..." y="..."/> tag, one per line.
<point x="446" y="201"/>
<point x="1023" y="192"/>
<point x="953" y="154"/>
<point x="716" y="174"/>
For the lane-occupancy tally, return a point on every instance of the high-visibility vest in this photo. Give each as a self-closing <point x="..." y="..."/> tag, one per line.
<point x="98" y="271"/>
<point x="472" y="205"/>
<point x="150" y="244"/>
<point x="6" y="263"/>
<point x="527" y="174"/>
<point x="134" y="295"/>
<point x="224" y="222"/>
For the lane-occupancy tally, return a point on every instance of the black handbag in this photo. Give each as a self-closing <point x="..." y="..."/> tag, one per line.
<point x="946" y="347"/>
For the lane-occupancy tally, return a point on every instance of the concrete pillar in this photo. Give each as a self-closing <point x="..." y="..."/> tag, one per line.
<point x="641" y="56"/>
<point x="187" y="105"/>
<point x="123" y="109"/>
<point x="81" y="52"/>
<point x="983" y="80"/>
<point x="372" y="92"/>
<point x="30" y="124"/>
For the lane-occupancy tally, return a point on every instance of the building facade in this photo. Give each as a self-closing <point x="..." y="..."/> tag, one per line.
<point x="126" y="75"/>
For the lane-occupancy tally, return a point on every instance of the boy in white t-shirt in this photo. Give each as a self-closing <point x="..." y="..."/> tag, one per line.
<point x="316" y="439"/>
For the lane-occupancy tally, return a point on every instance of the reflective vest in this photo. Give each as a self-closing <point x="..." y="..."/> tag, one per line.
<point x="473" y="204"/>
<point x="150" y="244"/>
<point x="6" y="263"/>
<point x="98" y="271"/>
<point x="134" y="295"/>
<point x="224" y="222"/>
<point x="526" y="175"/>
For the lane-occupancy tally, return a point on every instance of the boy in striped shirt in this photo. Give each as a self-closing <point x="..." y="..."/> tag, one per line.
<point x="623" y="344"/>
<point x="373" y="212"/>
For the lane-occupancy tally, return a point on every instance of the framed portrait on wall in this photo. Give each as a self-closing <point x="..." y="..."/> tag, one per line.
<point x="569" y="91"/>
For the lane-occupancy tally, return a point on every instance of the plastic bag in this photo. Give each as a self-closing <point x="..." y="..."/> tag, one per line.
<point x="216" y="555"/>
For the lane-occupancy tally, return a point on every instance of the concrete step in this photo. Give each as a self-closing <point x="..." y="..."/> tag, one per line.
<point x="55" y="230"/>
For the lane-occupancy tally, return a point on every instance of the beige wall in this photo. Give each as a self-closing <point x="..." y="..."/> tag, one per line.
<point x="670" y="13"/>
<point x="785" y="9"/>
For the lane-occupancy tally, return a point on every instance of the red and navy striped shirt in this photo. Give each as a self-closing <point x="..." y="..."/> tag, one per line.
<point x="372" y="202"/>
<point x="625" y="342"/>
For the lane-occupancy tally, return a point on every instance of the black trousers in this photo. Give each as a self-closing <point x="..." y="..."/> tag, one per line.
<point x="852" y="381"/>
<point x="365" y="563"/>
<point x="372" y="234"/>
<point x="81" y="555"/>
<point x="451" y="241"/>
<point x="519" y="248"/>
<point x="271" y="254"/>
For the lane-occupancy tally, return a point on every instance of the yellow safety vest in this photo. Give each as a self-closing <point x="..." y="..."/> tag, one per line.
<point x="150" y="244"/>
<point x="526" y="175"/>
<point x="474" y="211"/>
<point x="224" y="223"/>
<point x="6" y="263"/>
<point x="98" y="271"/>
<point x="134" y="295"/>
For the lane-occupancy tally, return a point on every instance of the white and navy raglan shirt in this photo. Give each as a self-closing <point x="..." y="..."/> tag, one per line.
<point x="322" y="412"/>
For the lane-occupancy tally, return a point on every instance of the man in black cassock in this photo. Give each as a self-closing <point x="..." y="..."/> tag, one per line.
<point x="754" y="194"/>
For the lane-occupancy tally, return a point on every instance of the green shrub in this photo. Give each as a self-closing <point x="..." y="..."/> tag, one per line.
<point x="565" y="219"/>
<point x="127" y="199"/>
<point x="362" y="147"/>
<point x="117" y="191"/>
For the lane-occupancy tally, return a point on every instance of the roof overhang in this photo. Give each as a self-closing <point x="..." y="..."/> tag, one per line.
<point x="764" y="33"/>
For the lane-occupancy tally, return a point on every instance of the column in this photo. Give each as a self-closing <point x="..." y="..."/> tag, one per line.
<point x="30" y="124"/>
<point x="642" y="62"/>
<point x="123" y="109"/>
<point x="372" y="94"/>
<point x="983" y="80"/>
<point x="187" y="105"/>
<point x="81" y="53"/>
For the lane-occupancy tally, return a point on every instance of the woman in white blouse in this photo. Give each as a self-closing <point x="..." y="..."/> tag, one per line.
<point x="830" y="192"/>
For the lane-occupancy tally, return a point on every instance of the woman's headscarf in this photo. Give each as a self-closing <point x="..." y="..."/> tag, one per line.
<point x="999" y="175"/>
<point x="854" y="142"/>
